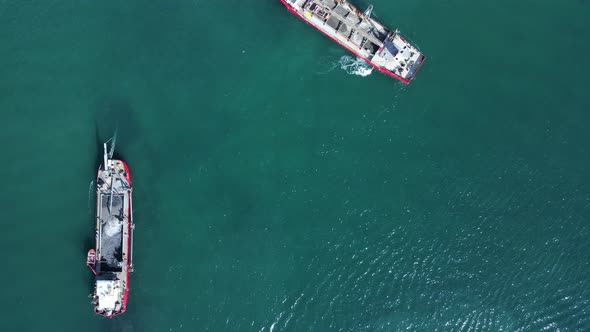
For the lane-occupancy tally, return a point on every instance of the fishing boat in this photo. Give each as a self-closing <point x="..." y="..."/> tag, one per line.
<point x="384" y="49"/>
<point x="112" y="259"/>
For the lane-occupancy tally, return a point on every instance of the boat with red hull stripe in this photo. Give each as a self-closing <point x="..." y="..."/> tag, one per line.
<point x="383" y="49"/>
<point x="111" y="261"/>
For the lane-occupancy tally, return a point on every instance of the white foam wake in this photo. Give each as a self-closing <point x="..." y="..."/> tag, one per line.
<point x="355" y="66"/>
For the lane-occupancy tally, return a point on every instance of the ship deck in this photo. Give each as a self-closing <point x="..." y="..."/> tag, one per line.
<point x="351" y="19"/>
<point x="361" y="35"/>
<point x="111" y="231"/>
<point x="113" y="219"/>
<point x="343" y="21"/>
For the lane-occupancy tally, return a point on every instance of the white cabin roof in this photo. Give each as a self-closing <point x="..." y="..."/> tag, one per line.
<point x="108" y="293"/>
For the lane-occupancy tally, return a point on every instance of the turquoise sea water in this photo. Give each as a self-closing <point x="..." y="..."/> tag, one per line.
<point x="276" y="190"/>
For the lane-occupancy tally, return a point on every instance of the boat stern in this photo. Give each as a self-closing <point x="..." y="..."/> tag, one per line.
<point x="108" y="298"/>
<point x="398" y="58"/>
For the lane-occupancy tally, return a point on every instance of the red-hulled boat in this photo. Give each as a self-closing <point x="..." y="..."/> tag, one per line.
<point x="112" y="259"/>
<point x="382" y="48"/>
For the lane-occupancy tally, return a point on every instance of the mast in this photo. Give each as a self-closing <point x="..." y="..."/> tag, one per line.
<point x="111" y="195"/>
<point x="368" y="11"/>
<point x="105" y="160"/>
<point x="107" y="167"/>
<point x="367" y="18"/>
